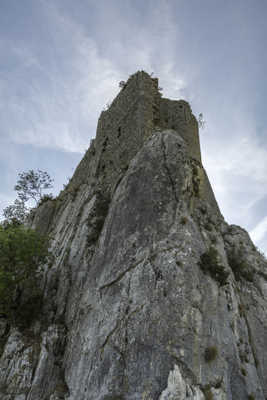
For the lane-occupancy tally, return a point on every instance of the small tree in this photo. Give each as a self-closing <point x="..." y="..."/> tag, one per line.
<point x="201" y="121"/>
<point x="122" y="84"/>
<point x="31" y="185"/>
<point x="16" y="213"/>
<point x="23" y="252"/>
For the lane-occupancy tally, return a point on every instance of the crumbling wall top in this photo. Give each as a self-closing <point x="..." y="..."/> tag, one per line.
<point x="136" y="112"/>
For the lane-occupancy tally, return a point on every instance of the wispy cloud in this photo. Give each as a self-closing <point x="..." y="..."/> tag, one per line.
<point x="58" y="104"/>
<point x="54" y="107"/>
<point x="56" y="79"/>
<point x="259" y="231"/>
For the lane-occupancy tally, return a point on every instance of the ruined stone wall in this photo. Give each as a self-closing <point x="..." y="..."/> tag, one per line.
<point x="128" y="122"/>
<point x="177" y="115"/>
<point x="123" y="128"/>
<point x="144" y="286"/>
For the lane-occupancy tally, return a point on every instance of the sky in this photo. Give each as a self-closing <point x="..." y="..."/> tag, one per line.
<point x="61" y="62"/>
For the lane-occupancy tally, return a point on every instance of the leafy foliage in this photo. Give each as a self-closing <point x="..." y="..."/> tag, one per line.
<point x="210" y="353"/>
<point x="16" y="213"/>
<point x="95" y="224"/>
<point x="122" y="84"/>
<point x="240" y="266"/>
<point x="201" y="121"/>
<point x="209" y="263"/>
<point x="31" y="185"/>
<point x="44" y="199"/>
<point x="23" y="251"/>
<point x="208" y="393"/>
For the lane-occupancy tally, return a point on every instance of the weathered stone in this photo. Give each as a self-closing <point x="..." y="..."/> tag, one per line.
<point x="128" y="311"/>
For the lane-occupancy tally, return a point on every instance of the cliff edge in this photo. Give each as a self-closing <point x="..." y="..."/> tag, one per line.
<point x="152" y="295"/>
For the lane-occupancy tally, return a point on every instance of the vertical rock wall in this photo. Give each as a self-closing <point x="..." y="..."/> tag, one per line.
<point x="151" y="295"/>
<point x="130" y="120"/>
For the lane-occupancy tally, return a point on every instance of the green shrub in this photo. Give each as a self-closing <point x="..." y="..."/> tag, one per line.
<point x="242" y="310"/>
<point x="184" y="220"/>
<point x="3" y="339"/>
<point x="209" y="263"/>
<point x="22" y="253"/>
<point x="213" y="239"/>
<point x="16" y="213"/>
<point x="208" y="226"/>
<point x="240" y="267"/>
<point x="207" y="392"/>
<point x="97" y="219"/>
<point x="44" y="199"/>
<point x="210" y="353"/>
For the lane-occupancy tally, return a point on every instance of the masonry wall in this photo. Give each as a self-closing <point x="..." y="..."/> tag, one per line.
<point x="124" y="127"/>
<point x="129" y="121"/>
<point x="177" y="115"/>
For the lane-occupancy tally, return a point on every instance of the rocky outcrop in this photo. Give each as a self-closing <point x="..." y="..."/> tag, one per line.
<point x="152" y="295"/>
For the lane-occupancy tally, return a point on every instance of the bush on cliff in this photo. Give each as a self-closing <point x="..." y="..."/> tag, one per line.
<point x="23" y="252"/>
<point x="239" y="265"/>
<point x="210" y="264"/>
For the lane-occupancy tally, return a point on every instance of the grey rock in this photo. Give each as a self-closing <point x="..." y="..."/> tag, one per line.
<point x="129" y="310"/>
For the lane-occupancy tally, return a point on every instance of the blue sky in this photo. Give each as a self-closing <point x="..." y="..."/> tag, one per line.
<point x="61" y="61"/>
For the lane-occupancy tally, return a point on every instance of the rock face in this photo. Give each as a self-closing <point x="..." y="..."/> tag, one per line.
<point x="152" y="295"/>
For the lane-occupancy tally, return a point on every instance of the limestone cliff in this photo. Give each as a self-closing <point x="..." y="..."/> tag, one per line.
<point x="152" y="295"/>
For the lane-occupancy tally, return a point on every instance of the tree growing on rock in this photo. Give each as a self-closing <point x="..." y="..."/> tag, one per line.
<point x="31" y="185"/>
<point x="201" y="121"/>
<point x="23" y="252"/>
<point x="16" y="213"/>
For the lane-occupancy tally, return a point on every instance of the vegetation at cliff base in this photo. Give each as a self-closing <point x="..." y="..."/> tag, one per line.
<point x="23" y="252"/>
<point x="16" y="213"/>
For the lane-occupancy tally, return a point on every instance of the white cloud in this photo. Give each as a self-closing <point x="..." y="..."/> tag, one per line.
<point x="236" y="163"/>
<point x="56" y="89"/>
<point x="57" y="107"/>
<point x="260" y="230"/>
<point x="59" y="101"/>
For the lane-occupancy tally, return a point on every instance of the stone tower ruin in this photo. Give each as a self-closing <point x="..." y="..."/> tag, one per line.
<point x="138" y="112"/>
<point x="150" y="294"/>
